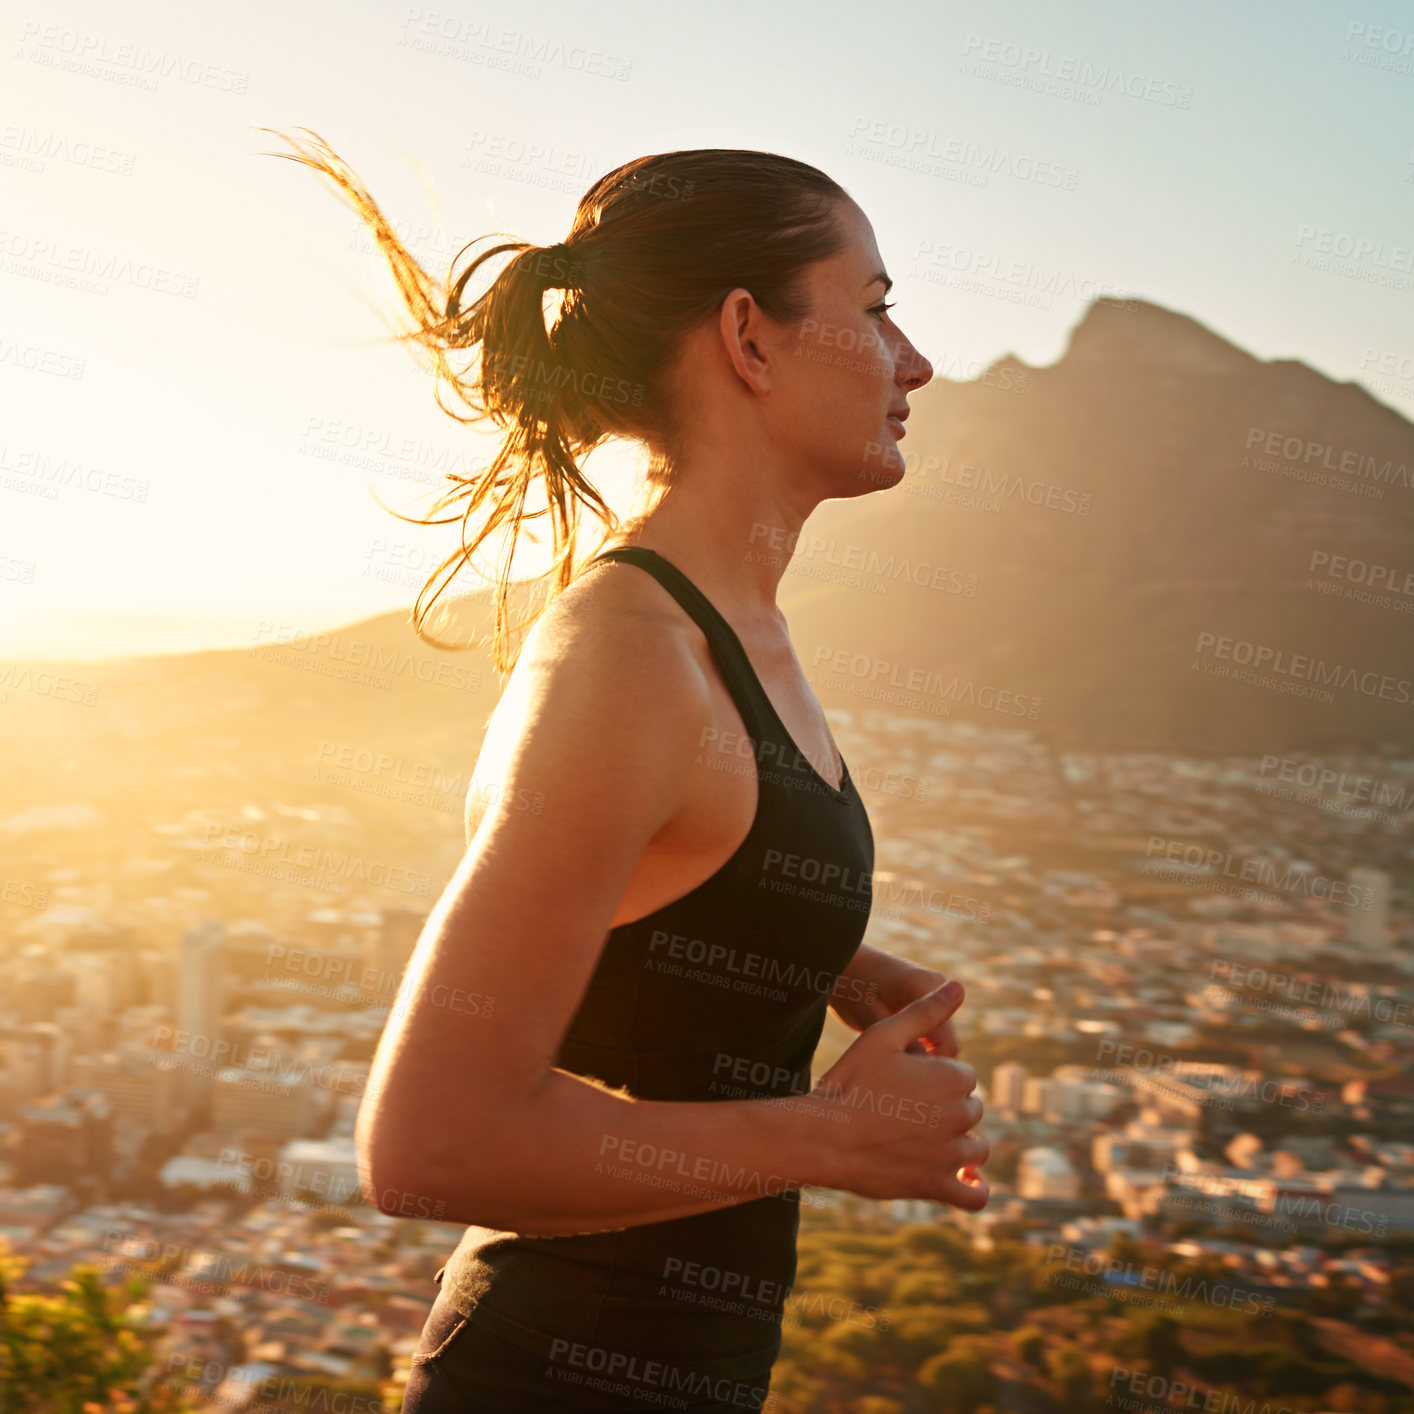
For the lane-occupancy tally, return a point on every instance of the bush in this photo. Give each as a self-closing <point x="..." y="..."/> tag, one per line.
<point x="1154" y="1338"/>
<point x="962" y="1377"/>
<point x="1029" y="1345"/>
<point x="78" y="1348"/>
<point x="925" y="1288"/>
<point x="1073" y="1377"/>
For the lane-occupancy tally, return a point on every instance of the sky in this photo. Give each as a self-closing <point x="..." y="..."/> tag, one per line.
<point x="199" y="411"/>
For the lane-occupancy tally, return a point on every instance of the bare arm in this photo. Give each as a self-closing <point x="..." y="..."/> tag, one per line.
<point x="468" y="1110"/>
<point x="576" y="1157"/>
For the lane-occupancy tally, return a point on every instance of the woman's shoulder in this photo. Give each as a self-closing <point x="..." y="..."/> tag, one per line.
<point x="606" y="665"/>
<point x="613" y="607"/>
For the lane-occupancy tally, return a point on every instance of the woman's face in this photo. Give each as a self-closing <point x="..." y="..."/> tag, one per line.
<point x="846" y="371"/>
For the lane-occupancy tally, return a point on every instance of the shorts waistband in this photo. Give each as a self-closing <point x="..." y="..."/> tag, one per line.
<point x="543" y="1344"/>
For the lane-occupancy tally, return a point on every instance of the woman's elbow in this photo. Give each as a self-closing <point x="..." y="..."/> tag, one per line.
<point x="387" y="1168"/>
<point x="422" y="1176"/>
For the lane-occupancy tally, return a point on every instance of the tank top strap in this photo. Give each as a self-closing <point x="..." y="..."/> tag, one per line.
<point x="742" y="682"/>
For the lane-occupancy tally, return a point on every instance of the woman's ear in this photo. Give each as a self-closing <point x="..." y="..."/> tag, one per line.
<point x="740" y="323"/>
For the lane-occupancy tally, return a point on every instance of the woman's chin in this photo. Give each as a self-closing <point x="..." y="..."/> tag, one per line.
<point x="883" y="466"/>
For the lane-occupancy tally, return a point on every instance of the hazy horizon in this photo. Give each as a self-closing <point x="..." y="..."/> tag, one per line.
<point x="189" y="324"/>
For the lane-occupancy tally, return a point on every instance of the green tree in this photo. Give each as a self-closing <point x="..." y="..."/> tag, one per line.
<point x="1029" y="1344"/>
<point x="1073" y="1377"/>
<point x="962" y="1376"/>
<point x="77" y="1350"/>
<point x="1123" y="1248"/>
<point x="932" y="1288"/>
<point x="1155" y="1338"/>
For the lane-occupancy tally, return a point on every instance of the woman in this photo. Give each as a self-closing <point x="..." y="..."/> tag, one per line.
<point x="624" y="1116"/>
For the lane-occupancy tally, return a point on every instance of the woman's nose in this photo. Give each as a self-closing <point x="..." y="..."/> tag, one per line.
<point x="916" y="371"/>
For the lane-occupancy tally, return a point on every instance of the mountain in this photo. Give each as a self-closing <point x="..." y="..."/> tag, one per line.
<point x="1147" y="496"/>
<point x="1138" y="511"/>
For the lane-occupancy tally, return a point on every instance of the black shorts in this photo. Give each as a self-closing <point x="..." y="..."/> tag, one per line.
<point x="461" y="1366"/>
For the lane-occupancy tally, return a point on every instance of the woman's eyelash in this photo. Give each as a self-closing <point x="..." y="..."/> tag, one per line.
<point x="880" y="308"/>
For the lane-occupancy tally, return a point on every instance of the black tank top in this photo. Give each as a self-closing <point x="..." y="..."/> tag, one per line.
<point x="719" y="995"/>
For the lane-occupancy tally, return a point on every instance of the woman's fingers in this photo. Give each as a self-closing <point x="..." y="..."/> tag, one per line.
<point x="940" y="1041"/>
<point x="972" y="1196"/>
<point x="974" y="1151"/>
<point x="956" y="1077"/>
<point x="962" y="1114"/>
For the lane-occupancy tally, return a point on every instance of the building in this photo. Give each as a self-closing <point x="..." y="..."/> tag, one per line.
<point x="1391" y="1208"/>
<point x="243" y="1384"/>
<point x="265" y="1101"/>
<point x="1141" y="1144"/>
<point x="103" y="983"/>
<point x="38" y="992"/>
<point x="158" y="976"/>
<point x="137" y="1025"/>
<point x="1035" y="1094"/>
<point x="65" y="1136"/>
<point x="1182" y="1097"/>
<point x="1069" y="1096"/>
<point x="1009" y="1086"/>
<point x="199" y="1000"/>
<point x="1256" y="942"/>
<point x="1074" y="1096"/>
<point x="37" y="1059"/>
<point x="1046" y="1173"/>
<point x="141" y="1093"/>
<point x="203" y="1172"/>
<point x="1367" y="912"/>
<point x="25" y="1213"/>
<point x="1384" y="1097"/>
<point x="327" y="1168"/>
